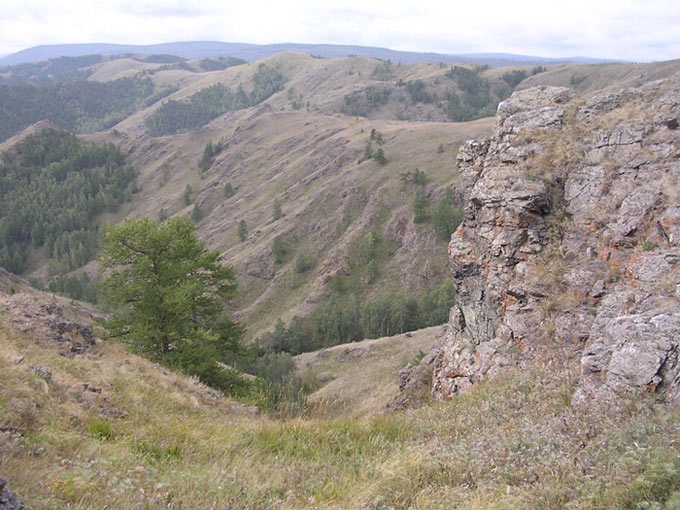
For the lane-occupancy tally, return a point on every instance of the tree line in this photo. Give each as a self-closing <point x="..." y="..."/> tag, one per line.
<point x="347" y="318"/>
<point x="48" y="72"/>
<point x="473" y="96"/>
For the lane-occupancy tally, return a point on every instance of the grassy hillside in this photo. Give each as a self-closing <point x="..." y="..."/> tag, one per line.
<point x="104" y="429"/>
<point x="312" y="161"/>
<point x="359" y="379"/>
<point x="305" y="148"/>
<point x="84" y="424"/>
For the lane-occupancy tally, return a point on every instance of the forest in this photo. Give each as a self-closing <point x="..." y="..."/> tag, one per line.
<point x="465" y="95"/>
<point x="209" y="103"/>
<point x="55" y="70"/>
<point x="80" y="106"/>
<point x="344" y="318"/>
<point x="52" y="186"/>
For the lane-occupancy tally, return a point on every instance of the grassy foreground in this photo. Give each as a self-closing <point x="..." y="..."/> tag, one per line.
<point x="140" y="437"/>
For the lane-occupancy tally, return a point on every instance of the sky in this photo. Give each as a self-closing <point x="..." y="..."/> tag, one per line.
<point x="627" y="30"/>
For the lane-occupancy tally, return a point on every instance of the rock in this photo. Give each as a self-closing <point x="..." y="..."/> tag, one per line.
<point x="86" y="332"/>
<point x="598" y="289"/>
<point x="571" y="239"/>
<point x="414" y="386"/>
<point x="11" y="438"/>
<point x="242" y="409"/>
<point x="8" y="499"/>
<point x="628" y="350"/>
<point x="43" y="372"/>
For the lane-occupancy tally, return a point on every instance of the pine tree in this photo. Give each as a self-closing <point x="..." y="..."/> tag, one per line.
<point x="170" y="292"/>
<point x="242" y="230"/>
<point x="276" y="209"/>
<point x="420" y="206"/>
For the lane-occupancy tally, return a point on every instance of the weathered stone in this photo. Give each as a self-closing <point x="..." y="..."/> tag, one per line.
<point x="43" y="372"/>
<point x="631" y="350"/>
<point x="415" y="383"/>
<point x="9" y="499"/>
<point x="584" y="258"/>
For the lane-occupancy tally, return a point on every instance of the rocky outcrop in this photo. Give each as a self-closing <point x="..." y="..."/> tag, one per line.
<point x="571" y="242"/>
<point x="8" y="499"/>
<point x="47" y="321"/>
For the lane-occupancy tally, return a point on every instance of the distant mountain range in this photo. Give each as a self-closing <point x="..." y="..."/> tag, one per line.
<point x="252" y="52"/>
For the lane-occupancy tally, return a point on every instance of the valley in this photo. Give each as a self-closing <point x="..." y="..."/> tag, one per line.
<point x="466" y="277"/>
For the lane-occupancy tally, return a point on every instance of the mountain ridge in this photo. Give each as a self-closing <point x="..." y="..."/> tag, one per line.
<point x="251" y="52"/>
<point x="303" y="147"/>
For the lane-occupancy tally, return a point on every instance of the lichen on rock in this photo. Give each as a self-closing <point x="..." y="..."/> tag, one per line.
<point x="571" y="242"/>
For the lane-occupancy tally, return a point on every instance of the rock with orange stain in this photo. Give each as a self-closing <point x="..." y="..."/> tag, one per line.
<point x="571" y="241"/>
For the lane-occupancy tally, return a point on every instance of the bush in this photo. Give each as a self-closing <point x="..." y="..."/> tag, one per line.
<point x="446" y="217"/>
<point x="303" y="262"/>
<point x="242" y="230"/>
<point x="276" y="210"/>
<point x="284" y="389"/>
<point x="228" y="190"/>
<point x="379" y="156"/>
<point x="281" y="247"/>
<point x="514" y="77"/>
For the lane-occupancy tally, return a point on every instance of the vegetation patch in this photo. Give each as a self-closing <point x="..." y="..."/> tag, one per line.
<point x="345" y="318"/>
<point x="513" y="442"/>
<point x="169" y="295"/>
<point x="361" y="103"/>
<point x="80" y="106"/>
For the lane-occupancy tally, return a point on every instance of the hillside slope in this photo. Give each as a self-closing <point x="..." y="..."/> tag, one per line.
<point x="305" y="148"/>
<point x="95" y="427"/>
<point x="299" y="149"/>
<point x="312" y="161"/>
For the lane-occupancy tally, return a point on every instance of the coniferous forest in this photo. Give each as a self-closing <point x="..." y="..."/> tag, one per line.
<point x="80" y="106"/>
<point x="52" y="186"/>
<point x="211" y="102"/>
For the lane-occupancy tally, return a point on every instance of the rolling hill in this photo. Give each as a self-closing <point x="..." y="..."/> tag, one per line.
<point x="194" y="50"/>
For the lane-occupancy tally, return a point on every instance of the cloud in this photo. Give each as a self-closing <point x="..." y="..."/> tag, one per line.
<point x="624" y="29"/>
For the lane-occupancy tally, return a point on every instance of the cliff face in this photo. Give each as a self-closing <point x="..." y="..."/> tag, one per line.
<point x="571" y="242"/>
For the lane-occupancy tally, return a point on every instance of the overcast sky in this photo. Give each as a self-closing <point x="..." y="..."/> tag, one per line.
<point x="618" y="29"/>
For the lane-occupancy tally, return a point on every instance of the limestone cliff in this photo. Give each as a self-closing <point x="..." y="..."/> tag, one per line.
<point x="571" y="242"/>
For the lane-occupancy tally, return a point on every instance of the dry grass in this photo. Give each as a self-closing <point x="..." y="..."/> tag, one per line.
<point x="307" y="158"/>
<point x="360" y="378"/>
<point x="603" y="76"/>
<point x="146" y="438"/>
<point x="514" y="442"/>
